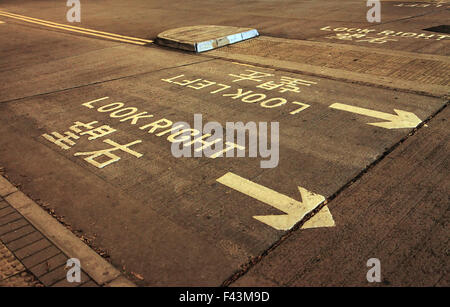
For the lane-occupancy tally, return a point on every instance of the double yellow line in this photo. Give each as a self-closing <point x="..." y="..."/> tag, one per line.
<point x="111" y="36"/>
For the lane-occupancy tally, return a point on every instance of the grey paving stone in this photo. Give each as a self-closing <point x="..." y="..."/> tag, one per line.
<point x="9" y="218"/>
<point x="7" y="228"/>
<point x="32" y="249"/>
<point x="40" y="256"/>
<point x="24" y="241"/>
<point x="16" y="234"/>
<point x="49" y="264"/>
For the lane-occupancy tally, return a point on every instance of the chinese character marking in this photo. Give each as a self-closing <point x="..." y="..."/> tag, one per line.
<point x="65" y="142"/>
<point x="287" y="84"/>
<point x="76" y="128"/>
<point x="290" y="84"/>
<point x="269" y="85"/>
<point x="345" y="36"/>
<point x="99" y="132"/>
<point x="93" y="155"/>
<point x="253" y="76"/>
<point x="377" y="40"/>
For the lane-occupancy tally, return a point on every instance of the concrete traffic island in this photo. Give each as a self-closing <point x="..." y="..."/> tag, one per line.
<point x="204" y="38"/>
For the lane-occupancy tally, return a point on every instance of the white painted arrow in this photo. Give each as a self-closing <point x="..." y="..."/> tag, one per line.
<point x="295" y="210"/>
<point x="403" y="119"/>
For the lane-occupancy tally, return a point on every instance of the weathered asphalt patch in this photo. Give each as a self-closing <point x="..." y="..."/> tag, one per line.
<point x="167" y="218"/>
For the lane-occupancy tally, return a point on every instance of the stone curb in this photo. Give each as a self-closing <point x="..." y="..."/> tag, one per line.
<point x="204" y="38"/>
<point x="101" y="271"/>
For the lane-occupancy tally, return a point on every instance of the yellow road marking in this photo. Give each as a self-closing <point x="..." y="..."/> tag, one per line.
<point x="323" y="218"/>
<point x="402" y="119"/>
<point x="112" y="36"/>
<point x="78" y="28"/>
<point x="295" y="210"/>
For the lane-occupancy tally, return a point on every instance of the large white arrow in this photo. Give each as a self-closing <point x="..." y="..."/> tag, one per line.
<point x="403" y="119"/>
<point x="295" y="210"/>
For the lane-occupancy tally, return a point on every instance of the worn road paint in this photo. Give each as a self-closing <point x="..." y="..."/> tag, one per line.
<point x="89" y="103"/>
<point x="112" y="36"/>
<point x="323" y="218"/>
<point x="295" y="210"/>
<point x="403" y="119"/>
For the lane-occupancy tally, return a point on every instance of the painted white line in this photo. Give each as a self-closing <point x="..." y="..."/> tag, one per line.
<point x="249" y="34"/>
<point x="403" y="119"/>
<point x="204" y="46"/>
<point x="295" y="210"/>
<point x="227" y="40"/>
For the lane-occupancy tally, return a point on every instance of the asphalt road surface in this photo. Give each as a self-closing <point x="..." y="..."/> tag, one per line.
<point x="363" y="138"/>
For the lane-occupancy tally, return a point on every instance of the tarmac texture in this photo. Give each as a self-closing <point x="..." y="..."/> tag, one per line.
<point x="361" y="111"/>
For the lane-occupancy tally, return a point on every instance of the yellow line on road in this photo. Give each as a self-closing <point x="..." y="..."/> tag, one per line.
<point x="112" y="36"/>
<point x="77" y="28"/>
